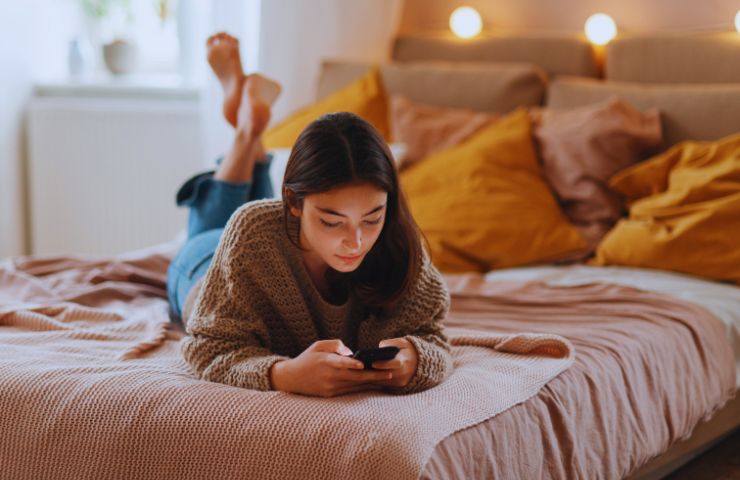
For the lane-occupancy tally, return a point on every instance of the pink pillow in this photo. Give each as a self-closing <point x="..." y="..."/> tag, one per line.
<point x="582" y="148"/>
<point x="425" y="129"/>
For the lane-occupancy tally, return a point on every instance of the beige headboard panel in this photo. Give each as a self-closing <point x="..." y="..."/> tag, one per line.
<point x="687" y="112"/>
<point x="556" y="54"/>
<point x="494" y="87"/>
<point x="674" y="58"/>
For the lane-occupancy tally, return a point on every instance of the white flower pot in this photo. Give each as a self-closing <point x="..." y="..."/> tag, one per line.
<point x="120" y="56"/>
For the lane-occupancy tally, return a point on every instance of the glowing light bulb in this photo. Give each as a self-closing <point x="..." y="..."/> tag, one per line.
<point x="737" y="21"/>
<point x="465" y="22"/>
<point x="600" y="28"/>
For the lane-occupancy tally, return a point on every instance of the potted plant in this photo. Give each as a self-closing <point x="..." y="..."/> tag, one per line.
<point x="107" y="21"/>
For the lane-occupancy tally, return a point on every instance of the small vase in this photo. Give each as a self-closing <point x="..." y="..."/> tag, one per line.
<point x="80" y="57"/>
<point x="120" y="56"/>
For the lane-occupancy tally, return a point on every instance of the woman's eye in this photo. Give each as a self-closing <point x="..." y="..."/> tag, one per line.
<point x="327" y="224"/>
<point x="374" y="222"/>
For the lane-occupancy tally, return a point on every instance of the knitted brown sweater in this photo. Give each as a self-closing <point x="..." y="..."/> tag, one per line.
<point x="257" y="305"/>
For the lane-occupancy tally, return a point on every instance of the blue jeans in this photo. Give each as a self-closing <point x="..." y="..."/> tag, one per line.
<point x="211" y="203"/>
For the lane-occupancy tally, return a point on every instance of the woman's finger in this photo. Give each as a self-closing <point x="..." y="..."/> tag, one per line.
<point x="387" y="364"/>
<point x="364" y="375"/>
<point x="342" y="362"/>
<point x="330" y="346"/>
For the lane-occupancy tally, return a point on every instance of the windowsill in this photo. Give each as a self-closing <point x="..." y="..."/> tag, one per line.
<point x="137" y="85"/>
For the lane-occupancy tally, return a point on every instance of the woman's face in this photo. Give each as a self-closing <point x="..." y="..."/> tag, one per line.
<point x="339" y="227"/>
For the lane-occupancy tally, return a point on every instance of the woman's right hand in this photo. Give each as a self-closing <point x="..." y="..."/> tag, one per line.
<point x="325" y="369"/>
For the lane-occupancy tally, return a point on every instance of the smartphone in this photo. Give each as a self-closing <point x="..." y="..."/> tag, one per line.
<point x="370" y="355"/>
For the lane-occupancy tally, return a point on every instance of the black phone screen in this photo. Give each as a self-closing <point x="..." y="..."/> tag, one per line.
<point x="370" y="355"/>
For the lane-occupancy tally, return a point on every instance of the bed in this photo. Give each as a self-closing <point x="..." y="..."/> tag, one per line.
<point x="93" y="386"/>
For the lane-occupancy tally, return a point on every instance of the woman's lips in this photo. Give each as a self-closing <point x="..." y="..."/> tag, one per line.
<point x="349" y="259"/>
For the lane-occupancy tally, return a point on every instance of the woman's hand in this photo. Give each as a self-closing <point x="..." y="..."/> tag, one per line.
<point x="324" y="369"/>
<point x="402" y="366"/>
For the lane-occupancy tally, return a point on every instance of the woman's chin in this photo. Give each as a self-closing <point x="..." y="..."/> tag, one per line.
<point x="345" y="268"/>
<point x="345" y="265"/>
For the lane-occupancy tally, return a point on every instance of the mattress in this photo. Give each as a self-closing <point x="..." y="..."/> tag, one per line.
<point x="648" y="368"/>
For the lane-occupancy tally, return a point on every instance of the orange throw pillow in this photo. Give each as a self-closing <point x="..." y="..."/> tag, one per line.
<point x="484" y="204"/>
<point x="684" y="212"/>
<point x="365" y="97"/>
<point x="425" y="129"/>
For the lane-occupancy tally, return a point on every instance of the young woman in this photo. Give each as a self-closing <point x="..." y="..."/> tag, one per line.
<point x="276" y="294"/>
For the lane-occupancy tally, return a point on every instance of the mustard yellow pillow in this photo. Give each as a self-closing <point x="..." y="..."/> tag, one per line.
<point x="684" y="212"/>
<point x="365" y="97"/>
<point x="484" y="204"/>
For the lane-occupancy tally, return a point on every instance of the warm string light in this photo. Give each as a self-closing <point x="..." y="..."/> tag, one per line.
<point x="600" y="29"/>
<point x="465" y="22"/>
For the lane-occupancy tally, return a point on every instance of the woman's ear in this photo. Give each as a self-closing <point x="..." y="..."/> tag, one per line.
<point x="290" y="199"/>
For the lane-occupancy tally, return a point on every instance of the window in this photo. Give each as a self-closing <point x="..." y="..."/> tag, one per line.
<point x="169" y="34"/>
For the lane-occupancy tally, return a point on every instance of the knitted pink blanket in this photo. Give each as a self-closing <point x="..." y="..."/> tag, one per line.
<point x="93" y="386"/>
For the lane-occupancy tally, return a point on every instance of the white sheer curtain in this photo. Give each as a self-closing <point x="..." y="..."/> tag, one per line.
<point x="296" y="35"/>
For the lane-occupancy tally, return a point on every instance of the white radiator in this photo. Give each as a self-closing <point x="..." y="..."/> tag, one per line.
<point x="104" y="168"/>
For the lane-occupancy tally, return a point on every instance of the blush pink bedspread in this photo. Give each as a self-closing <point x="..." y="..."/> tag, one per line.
<point x="648" y="368"/>
<point x="93" y="386"/>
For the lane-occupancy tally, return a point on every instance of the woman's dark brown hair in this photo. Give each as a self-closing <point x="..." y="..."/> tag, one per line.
<point x="341" y="149"/>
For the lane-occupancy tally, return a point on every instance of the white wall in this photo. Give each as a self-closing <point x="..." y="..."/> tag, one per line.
<point x="297" y="34"/>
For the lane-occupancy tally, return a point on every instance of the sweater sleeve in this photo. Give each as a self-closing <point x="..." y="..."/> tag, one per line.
<point x="228" y="341"/>
<point x="419" y="318"/>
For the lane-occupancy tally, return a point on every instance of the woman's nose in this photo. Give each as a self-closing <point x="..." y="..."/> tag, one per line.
<point x="353" y="241"/>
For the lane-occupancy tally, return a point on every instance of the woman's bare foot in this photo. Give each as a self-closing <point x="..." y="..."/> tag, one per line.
<point x="265" y="89"/>
<point x="258" y="95"/>
<point x="253" y="115"/>
<point x="261" y="93"/>
<point x="223" y="56"/>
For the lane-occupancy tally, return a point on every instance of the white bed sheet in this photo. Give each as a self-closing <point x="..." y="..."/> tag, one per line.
<point x="722" y="299"/>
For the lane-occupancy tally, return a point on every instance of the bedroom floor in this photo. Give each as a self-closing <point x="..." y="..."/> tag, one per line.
<point x="720" y="463"/>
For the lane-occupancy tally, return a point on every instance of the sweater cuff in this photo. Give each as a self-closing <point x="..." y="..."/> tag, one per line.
<point x="254" y="373"/>
<point x="434" y="365"/>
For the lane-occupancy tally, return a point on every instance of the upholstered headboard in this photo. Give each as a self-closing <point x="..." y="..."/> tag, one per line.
<point x="673" y="58"/>
<point x="693" y="79"/>
<point x="555" y="54"/>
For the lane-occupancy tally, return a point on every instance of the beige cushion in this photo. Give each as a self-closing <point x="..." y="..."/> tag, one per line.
<point x="674" y="58"/>
<point x="496" y="88"/>
<point x="688" y="112"/>
<point x="557" y="54"/>
<point x="336" y="74"/>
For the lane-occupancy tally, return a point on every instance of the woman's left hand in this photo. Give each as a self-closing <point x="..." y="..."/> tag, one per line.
<point x="402" y="366"/>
